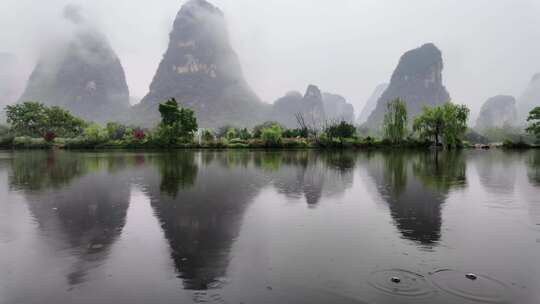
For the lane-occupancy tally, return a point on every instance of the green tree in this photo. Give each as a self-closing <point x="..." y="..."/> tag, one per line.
<point x="95" y="134"/>
<point x="340" y="130"/>
<point x="188" y="123"/>
<point x="446" y="123"/>
<point x="395" y="121"/>
<point x="117" y="131"/>
<point x="37" y="120"/>
<point x="272" y="136"/>
<point x="27" y="119"/>
<point x="534" y="123"/>
<point x="176" y="123"/>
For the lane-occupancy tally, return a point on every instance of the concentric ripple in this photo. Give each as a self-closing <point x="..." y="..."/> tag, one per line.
<point x="482" y="289"/>
<point x="401" y="283"/>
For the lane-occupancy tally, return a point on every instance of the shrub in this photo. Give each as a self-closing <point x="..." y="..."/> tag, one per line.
<point x="116" y="131"/>
<point x="257" y="130"/>
<point x="95" y="134"/>
<point x="272" y="136"/>
<point x="340" y="130"/>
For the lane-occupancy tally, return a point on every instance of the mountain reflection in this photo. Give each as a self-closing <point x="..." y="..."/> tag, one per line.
<point x="415" y="186"/>
<point x="310" y="174"/>
<point x="201" y="217"/>
<point x="497" y="170"/>
<point x="76" y="203"/>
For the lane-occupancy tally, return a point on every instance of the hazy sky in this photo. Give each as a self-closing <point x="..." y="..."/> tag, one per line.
<point x="347" y="47"/>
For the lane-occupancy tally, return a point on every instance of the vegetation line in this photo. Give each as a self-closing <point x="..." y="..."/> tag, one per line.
<point x="32" y="125"/>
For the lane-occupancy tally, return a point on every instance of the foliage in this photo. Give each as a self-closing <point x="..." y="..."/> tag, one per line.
<point x="340" y="130"/>
<point x="447" y="122"/>
<point x="139" y="135"/>
<point x="534" y="123"/>
<point x="257" y="130"/>
<point x="176" y="123"/>
<point x="37" y="120"/>
<point x="207" y="135"/>
<point x="295" y="133"/>
<point x="395" y="121"/>
<point x="272" y="136"/>
<point x="116" y="131"/>
<point x="95" y="134"/>
<point x="244" y="134"/>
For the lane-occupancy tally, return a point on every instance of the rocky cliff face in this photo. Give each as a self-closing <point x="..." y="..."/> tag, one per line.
<point x="201" y="70"/>
<point x="417" y="80"/>
<point x="530" y="99"/>
<point x="337" y="108"/>
<point x="83" y="74"/>
<point x="497" y="112"/>
<point x="371" y="103"/>
<point x="311" y="106"/>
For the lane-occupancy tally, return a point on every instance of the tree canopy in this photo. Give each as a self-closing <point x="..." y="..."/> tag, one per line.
<point x="176" y="122"/>
<point x="534" y="123"/>
<point x="446" y="124"/>
<point x="37" y="120"/>
<point x="395" y="121"/>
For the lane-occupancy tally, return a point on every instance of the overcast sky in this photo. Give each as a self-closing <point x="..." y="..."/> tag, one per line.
<point x="347" y="47"/>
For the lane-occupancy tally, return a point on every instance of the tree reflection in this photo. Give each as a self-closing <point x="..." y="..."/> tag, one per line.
<point x="178" y="171"/>
<point x="533" y="171"/>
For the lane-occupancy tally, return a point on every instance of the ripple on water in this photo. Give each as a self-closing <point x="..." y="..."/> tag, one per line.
<point x="400" y="282"/>
<point x="480" y="289"/>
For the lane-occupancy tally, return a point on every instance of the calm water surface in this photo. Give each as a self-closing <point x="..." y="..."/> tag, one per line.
<point x="269" y="227"/>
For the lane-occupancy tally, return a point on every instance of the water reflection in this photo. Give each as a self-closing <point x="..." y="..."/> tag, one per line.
<point x="415" y="186"/>
<point x="497" y="170"/>
<point x="533" y="172"/>
<point x="310" y="174"/>
<point x="202" y="221"/>
<point x="79" y="207"/>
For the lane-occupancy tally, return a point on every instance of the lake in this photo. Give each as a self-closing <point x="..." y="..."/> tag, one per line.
<point x="270" y="227"/>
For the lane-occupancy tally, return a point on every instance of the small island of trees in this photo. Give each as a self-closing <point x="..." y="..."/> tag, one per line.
<point x="35" y="125"/>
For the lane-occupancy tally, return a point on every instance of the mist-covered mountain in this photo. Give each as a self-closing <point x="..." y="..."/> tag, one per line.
<point x="417" y="80"/>
<point x="497" y="112"/>
<point x="337" y="108"/>
<point x="82" y="74"/>
<point x="530" y="99"/>
<point x="11" y="81"/>
<point x="310" y="106"/>
<point x="202" y="71"/>
<point x="371" y="103"/>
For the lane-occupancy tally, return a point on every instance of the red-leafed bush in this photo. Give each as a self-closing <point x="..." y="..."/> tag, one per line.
<point x="49" y="136"/>
<point x="139" y="134"/>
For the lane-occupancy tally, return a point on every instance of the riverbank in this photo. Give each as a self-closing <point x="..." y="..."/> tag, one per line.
<point x="27" y="143"/>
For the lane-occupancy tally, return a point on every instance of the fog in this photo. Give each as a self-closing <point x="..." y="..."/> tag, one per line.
<point x="346" y="47"/>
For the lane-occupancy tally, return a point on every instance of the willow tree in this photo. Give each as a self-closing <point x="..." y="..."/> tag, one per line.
<point x="446" y="123"/>
<point x="395" y="121"/>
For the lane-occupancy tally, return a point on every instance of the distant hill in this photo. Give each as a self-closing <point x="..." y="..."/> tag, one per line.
<point x="497" y="112"/>
<point x="371" y="103"/>
<point x="417" y="80"/>
<point x="337" y="108"/>
<point x="310" y="105"/>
